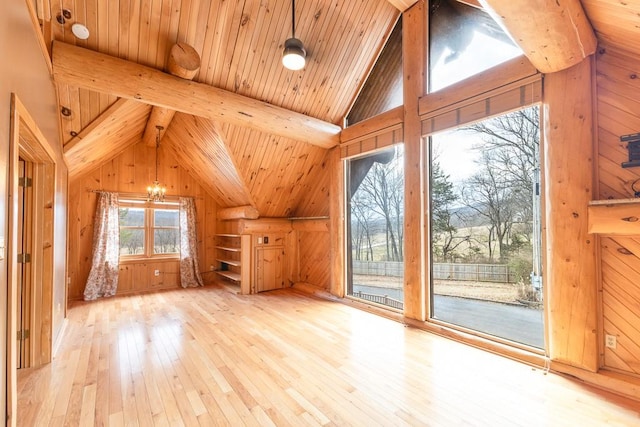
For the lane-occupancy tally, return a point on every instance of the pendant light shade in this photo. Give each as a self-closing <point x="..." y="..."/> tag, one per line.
<point x="294" y="53"/>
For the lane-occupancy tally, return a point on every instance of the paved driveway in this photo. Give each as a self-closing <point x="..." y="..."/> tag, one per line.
<point x="515" y="323"/>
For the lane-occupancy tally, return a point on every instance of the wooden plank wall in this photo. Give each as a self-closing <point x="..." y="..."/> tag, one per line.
<point x="313" y="253"/>
<point x="277" y="172"/>
<point x="618" y="113"/>
<point x="131" y="172"/>
<point x="314" y="261"/>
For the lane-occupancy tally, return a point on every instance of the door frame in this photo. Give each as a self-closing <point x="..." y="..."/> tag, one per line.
<point x="28" y="142"/>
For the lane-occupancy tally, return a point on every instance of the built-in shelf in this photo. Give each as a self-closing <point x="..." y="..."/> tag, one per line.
<point x="233" y="259"/>
<point x="230" y="275"/>
<point x="228" y="248"/>
<point x="229" y="262"/>
<point x="614" y="217"/>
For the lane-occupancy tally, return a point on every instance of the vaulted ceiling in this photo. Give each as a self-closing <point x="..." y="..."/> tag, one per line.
<point x="240" y="44"/>
<point x="237" y="156"/>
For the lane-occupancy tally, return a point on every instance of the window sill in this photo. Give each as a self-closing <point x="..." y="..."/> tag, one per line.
<point x="143" y="259"/>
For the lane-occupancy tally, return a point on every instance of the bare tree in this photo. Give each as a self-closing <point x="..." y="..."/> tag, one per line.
<point x="489" y="193"/>
<point x="361" y="228"/>
<point x="514" y="143"/>
<point x="384" y="186"/>
<point x="503" y="189"/>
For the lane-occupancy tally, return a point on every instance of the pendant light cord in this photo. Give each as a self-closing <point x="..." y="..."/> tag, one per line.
<point x="158" y="146"/>
<point x="293" y="19"/>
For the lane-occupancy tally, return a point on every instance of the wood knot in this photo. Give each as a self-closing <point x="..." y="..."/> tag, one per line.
<point x="625" y="251"/>
<point x="575" y="215"/>
<point x="633" y="76"/>
<point x="631" y="219"/>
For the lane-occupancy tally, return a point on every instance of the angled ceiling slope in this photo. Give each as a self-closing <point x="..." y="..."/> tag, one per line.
<point x="120" y="126"/>
<point x="278" y="172"/>
<point x="240" y="44"/>
<point x="200" y="149"/>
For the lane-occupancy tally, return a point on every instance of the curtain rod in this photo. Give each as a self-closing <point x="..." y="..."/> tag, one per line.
<point x="139" y="195"/>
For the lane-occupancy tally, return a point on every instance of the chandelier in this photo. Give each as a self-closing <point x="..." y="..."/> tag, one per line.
<point x="155" y="192"/>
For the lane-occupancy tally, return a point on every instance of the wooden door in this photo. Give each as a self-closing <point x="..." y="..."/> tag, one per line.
<point x="24" y="273"/>
<point x="269" y="268"/>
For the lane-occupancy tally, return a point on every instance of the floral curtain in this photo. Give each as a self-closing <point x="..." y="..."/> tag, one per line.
<point x="103" y="277"/>
<point x="189" y="271"/>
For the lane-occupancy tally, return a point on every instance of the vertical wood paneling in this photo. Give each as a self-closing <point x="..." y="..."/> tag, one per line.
<point x="314" y="258"/>
<point x="277" y="172"/>
<point x="315" y="196"/>
<point x="618" y="114"/>
<point x="131" y="172"/>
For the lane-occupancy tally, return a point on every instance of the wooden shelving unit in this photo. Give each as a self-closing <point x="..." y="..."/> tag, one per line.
<point x="233" y="258"/>
<point x="614" y="217"/>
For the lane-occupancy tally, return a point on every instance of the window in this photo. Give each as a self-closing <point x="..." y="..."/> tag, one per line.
<point x="375" y="212"/>
<point x="485" y="227"/>
<point x="382" y="90"/>
<point x="149" y="229"/>
<point x="464" y="41"/>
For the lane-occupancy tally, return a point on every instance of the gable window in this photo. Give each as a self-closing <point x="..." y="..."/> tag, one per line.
<point x="149" y="229"/>
<point x="464" y="41"/>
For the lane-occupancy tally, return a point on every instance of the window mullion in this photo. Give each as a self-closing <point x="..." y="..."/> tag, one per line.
<point x="149" y="231"/>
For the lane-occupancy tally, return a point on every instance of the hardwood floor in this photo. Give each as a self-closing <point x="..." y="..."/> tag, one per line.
<point x="210" y="357"/>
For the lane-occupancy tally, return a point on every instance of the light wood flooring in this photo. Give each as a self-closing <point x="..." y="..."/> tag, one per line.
<point x="211" y="357"/>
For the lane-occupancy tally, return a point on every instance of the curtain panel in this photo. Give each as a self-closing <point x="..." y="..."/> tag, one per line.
<point x="103" y="277"/>
<point x="189" y="271"/>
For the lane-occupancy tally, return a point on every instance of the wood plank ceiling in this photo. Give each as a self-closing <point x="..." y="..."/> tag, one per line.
<point x="616" y="23"/>
<point x="240" y="44"/>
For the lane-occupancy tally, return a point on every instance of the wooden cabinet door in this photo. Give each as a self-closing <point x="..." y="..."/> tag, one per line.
<point x="269" y="268"/>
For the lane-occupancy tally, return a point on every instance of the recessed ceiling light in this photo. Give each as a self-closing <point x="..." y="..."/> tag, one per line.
<point x="80" y="31"/>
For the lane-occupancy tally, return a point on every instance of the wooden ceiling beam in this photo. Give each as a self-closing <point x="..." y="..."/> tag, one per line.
<point x="553" y="35"/>
<point x="118" y="127"/>
<point x="184" y="62"/>
<point x="104" y="73"/>
<point x="402" y="5"/>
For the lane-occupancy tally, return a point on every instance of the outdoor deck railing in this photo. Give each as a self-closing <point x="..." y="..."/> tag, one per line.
<point x="379" y="299"/>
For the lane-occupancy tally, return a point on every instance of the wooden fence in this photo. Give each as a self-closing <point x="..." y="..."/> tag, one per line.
<point x="441" y="271"/>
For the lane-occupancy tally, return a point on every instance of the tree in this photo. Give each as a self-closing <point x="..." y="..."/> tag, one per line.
<point x="502" y="190"/>
<point x="443" y="197"/>
<point x="514" y="142"/>
<point x="489" y="193"/>
<point x="361" y="228"/>
<point x="383" y="186"/>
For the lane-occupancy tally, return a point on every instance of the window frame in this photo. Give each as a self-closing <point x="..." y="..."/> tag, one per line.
<point x="149" y="228"/>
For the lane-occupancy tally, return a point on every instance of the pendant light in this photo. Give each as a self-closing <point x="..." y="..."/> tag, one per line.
<point x="155" y="192"/>
<point x="294" y="53"/>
